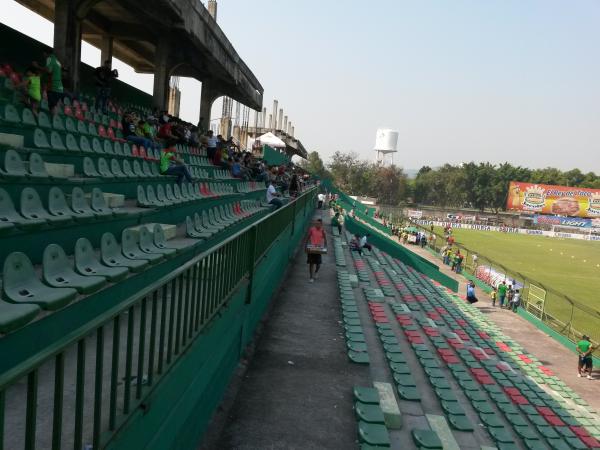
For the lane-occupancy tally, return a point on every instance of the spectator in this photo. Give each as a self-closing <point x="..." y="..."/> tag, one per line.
<point x="54" y="69"/>
<point x="104" y="76"/>
<point x="32" y="89"/>
<point x="355" y="244"/>
<point x="493" y="296"/>
<point x="471" y="298"/>
<point x="516" y="301"/>
<point x="272" y="196"/>
<point x="364" y="243"/>
<point x="510" y="293"/>
<point x="423" y="240"/>
<point x="130" y="129"/>
<point x="336" y="221"/>
<point x="502" y="293"/>
<point x="584" y="362"/>
<point x="294" y="185"/>
<point x="211" y="145"/>
<point x="316" y="238"/>
<point x="166" y="130"/>
<point x="171" y="165"/>
<point x="321" y="199"/>
<point x="459" y="261"/>
<point x="237" y="171"/>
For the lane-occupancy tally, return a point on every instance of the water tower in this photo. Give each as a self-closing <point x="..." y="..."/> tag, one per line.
<point x="386" y="141"/>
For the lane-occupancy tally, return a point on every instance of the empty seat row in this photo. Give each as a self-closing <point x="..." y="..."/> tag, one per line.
<point x="208" y="223"/>
<point x="67" y="142"/>
<point x="199" y="161"/>
<point x="62" y="280"/>
<point x="175" y="194"/>
<point x="32" y="213"/>
<point x="250" y="186"/>
<point x="15" y="167"/>
<point x="120" y="169"/>
<point x="222" y="174"/>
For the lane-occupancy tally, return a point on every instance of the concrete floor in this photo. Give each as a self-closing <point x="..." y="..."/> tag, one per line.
<point x="297" y="390"/>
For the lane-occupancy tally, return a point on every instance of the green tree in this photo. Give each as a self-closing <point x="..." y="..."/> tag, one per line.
<point x="314" y="165"/>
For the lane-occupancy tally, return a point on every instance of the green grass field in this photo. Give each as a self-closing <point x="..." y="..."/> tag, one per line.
<point x="570" y="266"/>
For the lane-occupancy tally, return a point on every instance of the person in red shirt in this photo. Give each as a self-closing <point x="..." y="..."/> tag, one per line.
<point x="316" y="237"/>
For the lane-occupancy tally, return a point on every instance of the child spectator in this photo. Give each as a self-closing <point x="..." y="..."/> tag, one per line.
<point x="32" y="89"/>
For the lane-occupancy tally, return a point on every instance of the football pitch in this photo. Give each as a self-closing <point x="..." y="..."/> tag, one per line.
<point x="570" y="266"/>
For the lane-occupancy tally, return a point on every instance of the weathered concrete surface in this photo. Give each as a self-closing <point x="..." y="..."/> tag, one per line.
<point x="297" y="391"/>
<point x="551" y="353"/>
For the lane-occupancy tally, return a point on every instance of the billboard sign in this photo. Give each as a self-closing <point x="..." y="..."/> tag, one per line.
<point x="415" y="214"/>
<point x="555" y="200"/>
<point x="578" y="222"/>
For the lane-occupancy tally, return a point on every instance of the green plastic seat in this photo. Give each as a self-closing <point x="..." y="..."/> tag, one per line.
<point x="71" y="143"/>
<point x="9" y="217"/>
<point x="108" y="147"/>
<point x="13" y="165"/>
<point x="369" y="413"/>
<point x="84" y="144"/>
<point x="89" y="169"/>
<point x="426" y="439"/>
<point x="44" y="121"/>
<point x="137" y="170"/>
<point x="483" y="407"/>
<point x="118" y="148"/>
<point x="366" y="394"/>
<point x="98" y="204"/>
<point x="10" y="114"/>
<point x="400" y="367"/>
<point x="112" y="256"/>
<point x="146" y="169"/>
<point x="190" y="230"/>
<point x="127" y="170"/>
<point x="70" y="126"/>
<point x="126" y="149"/>
<point x="21" y="285"/>
<point x="161" y="242"/>
<point x="373" y="434"/>
<point x="32" y="208"/>
<point x="57" y="123"/>
<point x="97" y="146"/>
<point x="491" y="420"/>
<point x="516" y="420"/>
<point x="405" y="380"/>
<point x="87" y="263"/>
<point x="57" y="203"/>
<point x="200" y="228"/>
<point x="103" y="169"/>
<point x="57" y="272"/>
<point x="38" y="139"/>
<point x="358" y="357"/>
<point x="37" y="169"/>
<point x="460" y="422"/>
<point x="131" y="249"/>
<point x="147" y="245"/>
<point x="27" y="118"/>
<point x="92" y="129"/>
<point x="170" y="195"/>
<point x="82" y="128"/>
<point x="14" y="316"/>
<point x="152" y="198"/>
<point x="56" y="142"/>
<point x="501" y="435"/>
<point x="79" y="205"/>
<point x="452" y="408"/>
<point x="409" y="393"/>
<point x="142" y="200"/>
<point x="115" y="168"/>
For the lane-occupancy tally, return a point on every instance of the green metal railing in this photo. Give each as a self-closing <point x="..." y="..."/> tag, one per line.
<point x="84" y="391"/>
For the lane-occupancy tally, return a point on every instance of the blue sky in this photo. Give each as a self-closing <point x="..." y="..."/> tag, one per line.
<point x="460" y="80"/>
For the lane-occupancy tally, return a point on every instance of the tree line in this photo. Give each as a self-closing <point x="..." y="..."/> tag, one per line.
<point x="469" y="185"/>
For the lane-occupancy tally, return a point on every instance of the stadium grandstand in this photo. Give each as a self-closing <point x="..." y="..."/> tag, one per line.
<point x="143" y="308"/>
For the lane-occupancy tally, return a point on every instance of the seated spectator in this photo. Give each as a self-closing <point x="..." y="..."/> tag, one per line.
<point x="144" y="129"/>
<point x="355" y="244"/>
<point x="31" y="88"/>
<point x="130" y="129"/>
<point x="364" y="243"/>
<point x="294" y="185"/>
<point x="237" y="171"/>
<point x="171" y="165"/>
<point x="272" y="196"/>
<point x="166" y="129"/>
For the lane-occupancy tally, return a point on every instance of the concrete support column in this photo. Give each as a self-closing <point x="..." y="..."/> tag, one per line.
<point x="263" y="120"/>
<point x="208" y="95"/>
<point x="106" y="49"/>
<point x="273" y="119"/>
<point x="162" y="72"/>
<point x="280" y="121"/>
<point x="67" y="40"/>
<point x="285" y="122"/>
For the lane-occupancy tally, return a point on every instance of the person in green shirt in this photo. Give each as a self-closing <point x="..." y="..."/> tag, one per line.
<point x="584" y="362"/>
<point x="53" y="68"/>
<point x="502" y="293"/>
<point x="171" y="165"/>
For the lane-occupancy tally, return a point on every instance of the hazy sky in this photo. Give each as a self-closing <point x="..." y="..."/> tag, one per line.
<point x="460" y="80"/>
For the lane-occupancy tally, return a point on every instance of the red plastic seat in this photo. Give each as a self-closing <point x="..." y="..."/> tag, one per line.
<point x="134" y="151"/>
<point x="84" y="106"/>
<point x="142" y="152"/>
<point x="102" y="131"/>
<point x="111" y="134"/>
<point x="68" y="111"/>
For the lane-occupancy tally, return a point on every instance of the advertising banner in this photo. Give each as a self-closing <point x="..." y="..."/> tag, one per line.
<point x="556" y="200"/>
<point x="415" y="214"/>
<point x="564" y="221"/>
